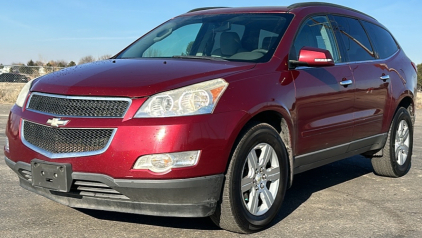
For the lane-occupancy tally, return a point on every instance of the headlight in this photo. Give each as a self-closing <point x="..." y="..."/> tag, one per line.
<point x="200" y="98"/>
<point x="23" y="94"/>
<point x="161" y="163"/>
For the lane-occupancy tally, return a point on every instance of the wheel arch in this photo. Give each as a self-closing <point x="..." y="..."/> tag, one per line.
<point x="280" y="120"/>
<point x="408" y="103"/>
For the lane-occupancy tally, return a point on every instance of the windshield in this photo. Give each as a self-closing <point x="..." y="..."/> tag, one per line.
<point x="233" y="37"/>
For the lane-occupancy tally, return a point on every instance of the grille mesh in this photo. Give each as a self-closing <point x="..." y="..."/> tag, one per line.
<point x="78" y="107"/>
<point x="59" y="141"/>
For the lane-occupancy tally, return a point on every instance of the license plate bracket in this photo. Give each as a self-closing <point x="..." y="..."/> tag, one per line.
<point x="53" y="176"/>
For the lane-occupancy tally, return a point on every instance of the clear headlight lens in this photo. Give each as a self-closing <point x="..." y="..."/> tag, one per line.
<point x="161" y="163"/>
<point x="200" y="98"/>
<point x="23" y="94"/>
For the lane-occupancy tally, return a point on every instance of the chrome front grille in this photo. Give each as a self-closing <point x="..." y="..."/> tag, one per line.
<point x="65" y="142"/>
<point x="75" y="106"/>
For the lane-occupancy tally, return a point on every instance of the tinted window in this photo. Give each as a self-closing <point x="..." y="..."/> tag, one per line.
<point x="384" y="43"/>
<point x="239" y="29"/>
<point x="232" y="37"/>
<point x="266" y="39"/>
<point x="177" y="42"/>
<point x="354" y="38"/>
<point x="315" y="32"/>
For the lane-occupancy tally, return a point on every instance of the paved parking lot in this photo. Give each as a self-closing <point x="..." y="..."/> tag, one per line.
<point x="343" y="199"/>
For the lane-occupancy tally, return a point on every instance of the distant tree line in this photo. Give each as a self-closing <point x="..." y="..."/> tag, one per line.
<point x="61" y="63"/>
<point x="34" y="69"/>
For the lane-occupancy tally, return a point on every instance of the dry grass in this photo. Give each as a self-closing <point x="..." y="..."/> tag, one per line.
<point x="419" y="100"/>
<point x="9" y="92"/>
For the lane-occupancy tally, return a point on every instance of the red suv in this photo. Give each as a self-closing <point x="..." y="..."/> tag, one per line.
<point x="214" y="111"/>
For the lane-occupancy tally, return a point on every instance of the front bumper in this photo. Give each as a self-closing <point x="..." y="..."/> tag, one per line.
<point x="192" y="197"/>
<point x="212" y="134"/>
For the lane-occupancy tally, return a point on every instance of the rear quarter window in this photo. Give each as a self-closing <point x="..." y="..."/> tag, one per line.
<point x="383" y="42"/>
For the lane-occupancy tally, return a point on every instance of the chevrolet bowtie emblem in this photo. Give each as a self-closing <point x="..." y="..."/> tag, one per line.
<point x="56" y="122"/>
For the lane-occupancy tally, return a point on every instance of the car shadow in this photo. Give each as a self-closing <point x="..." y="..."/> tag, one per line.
<point x="307" y="183"/>
<point x="203" y="223"/>
<point x="304" y="185"/>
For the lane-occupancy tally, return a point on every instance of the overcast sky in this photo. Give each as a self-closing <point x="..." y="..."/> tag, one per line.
<point x="68" y="30"/>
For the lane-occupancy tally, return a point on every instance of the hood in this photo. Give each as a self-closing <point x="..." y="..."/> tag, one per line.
<point x="134" y="77"/>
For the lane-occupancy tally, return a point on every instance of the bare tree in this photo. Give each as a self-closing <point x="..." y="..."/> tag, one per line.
<point x="86" y="59"/>
<point x="39" y="63"/>
<point x="51" y="63"/>
<point x="104" y="57"/>
<point x="151" y="52"/>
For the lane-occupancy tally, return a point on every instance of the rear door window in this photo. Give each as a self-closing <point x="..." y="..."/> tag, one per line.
<point x="384" y="43"/>
<point x="354" y="38"/>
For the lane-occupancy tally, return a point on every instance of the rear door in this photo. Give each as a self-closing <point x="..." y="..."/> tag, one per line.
<point x="324" y="108"/>
<point x="371" y="78"/>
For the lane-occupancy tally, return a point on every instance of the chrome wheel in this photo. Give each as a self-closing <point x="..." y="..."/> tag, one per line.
<point x="401" y="146"/>
<point x="260" y="179"/>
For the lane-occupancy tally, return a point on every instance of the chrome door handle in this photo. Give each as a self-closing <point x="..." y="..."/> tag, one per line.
<point x="385" y="77"/>
<point x="346" y="83"/>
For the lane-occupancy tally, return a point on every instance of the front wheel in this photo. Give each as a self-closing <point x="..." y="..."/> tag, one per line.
<point x="397" y="152"/>
<point x="256" y="181"/>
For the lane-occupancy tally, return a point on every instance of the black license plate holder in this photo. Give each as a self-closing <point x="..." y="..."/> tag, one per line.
<point x="53" y="176"/>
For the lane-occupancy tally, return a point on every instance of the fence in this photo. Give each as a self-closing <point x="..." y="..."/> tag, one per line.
<point x="22" y="73"/>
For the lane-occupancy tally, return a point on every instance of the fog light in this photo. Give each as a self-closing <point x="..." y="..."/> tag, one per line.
<point x="6" y="146"/>
<point x="160" y="163"/>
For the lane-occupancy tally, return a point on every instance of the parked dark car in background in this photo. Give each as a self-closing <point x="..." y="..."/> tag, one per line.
<point x="13" y="78"/>
<point x="213" y="112"/>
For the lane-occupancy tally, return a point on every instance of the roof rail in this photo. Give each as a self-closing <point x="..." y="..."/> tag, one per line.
<point x="204" y="8"/>
<point x="310" y="4"/>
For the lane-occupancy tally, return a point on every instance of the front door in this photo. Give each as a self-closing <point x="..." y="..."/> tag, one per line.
<point x="324" y="107"/>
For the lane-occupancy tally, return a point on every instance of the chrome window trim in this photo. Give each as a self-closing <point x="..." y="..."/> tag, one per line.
<point x="65" y="155"/>
<point x="349" y="63"/>
<point x="374" y="60"/>
<point x="80" y="98"/>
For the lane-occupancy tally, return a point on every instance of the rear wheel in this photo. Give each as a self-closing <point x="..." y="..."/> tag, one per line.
<point x="397" y="152"/>
<point x="255" y="183"/>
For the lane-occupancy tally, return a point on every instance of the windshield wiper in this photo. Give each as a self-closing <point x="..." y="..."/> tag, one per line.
<point x="198" y="57"/>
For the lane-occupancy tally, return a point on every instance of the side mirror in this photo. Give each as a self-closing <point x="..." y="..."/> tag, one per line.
<point x="313" y="57"/>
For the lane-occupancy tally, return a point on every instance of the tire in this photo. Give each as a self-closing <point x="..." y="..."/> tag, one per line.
<point x="253" y="191"/>
<point x="397" y="152"/>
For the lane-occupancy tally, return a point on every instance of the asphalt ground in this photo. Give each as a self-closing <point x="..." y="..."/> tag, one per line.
<point x="342" y="199"/>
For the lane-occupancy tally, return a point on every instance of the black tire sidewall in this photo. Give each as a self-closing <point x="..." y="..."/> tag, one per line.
<point x="262" y="133"/>
<point x="400" y="170"/>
